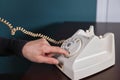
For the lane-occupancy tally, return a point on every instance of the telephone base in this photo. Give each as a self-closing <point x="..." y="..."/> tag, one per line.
<point x="89" y="54"/>
<point x="89" y="70"/>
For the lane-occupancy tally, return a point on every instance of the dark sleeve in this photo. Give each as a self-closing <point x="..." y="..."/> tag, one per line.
<point x="11" y="46"/>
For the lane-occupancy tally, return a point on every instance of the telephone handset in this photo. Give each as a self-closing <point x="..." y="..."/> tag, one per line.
<point x="14" y="29"/>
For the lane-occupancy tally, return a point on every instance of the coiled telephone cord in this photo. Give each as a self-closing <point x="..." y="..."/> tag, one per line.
<point x="14" y="29"/>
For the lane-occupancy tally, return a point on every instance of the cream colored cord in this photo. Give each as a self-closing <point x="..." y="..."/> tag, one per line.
<point x="13" y="31"/>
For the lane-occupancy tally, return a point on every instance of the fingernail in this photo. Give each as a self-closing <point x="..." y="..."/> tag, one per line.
<point x="67" y="56"/>
<point x="55" y="62"/>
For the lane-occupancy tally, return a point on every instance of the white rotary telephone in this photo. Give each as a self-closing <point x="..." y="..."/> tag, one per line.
<point x="88" y="54"/>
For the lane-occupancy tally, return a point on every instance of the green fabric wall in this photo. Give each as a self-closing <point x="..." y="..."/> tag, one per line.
<point x="32" y="14"/>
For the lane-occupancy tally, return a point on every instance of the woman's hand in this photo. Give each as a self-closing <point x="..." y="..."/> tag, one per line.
<point x="41" y="51"/>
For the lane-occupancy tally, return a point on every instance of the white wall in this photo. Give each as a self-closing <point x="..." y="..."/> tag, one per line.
<point x="114" y="11"/>
<point x="101" y="10"/>
<point x="108" y="11"/>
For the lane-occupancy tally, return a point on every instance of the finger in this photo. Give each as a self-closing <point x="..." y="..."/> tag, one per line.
<point x="50" y="54"/>
<point x="54" y="49"/>
<point x="48" y="60"/>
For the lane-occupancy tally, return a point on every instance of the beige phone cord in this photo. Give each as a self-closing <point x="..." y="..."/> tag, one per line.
<point x="13" y="31"/>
